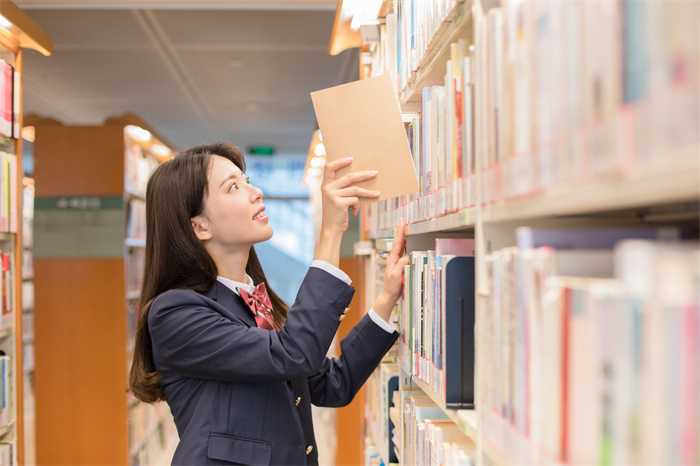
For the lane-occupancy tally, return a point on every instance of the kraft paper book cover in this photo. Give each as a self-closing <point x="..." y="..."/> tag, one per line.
<point x="362" y="120"/>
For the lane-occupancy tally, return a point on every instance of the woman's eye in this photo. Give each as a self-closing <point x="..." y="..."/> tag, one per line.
<point x="233" y="187"/>
<point x="247" y="179"/>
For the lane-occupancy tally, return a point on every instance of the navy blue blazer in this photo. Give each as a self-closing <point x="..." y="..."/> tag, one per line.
<point x="242" y="395"/>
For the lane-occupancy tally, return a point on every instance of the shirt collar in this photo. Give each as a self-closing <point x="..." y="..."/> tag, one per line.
<point x="248" y="287"/>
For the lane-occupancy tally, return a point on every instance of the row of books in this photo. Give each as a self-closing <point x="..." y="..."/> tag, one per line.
<point x="136" y="222"/>
<point x="9" y="100"/>
<point x="139" y="166"/>
<point x="436" y="319"/>
<point x="571" y="90"/>
<point x="134" y="263"/>
<point x="590" y="346"/>
<point x="158" y="449"/>
<point x="441" y="138"/>
<point x="150" y="427"/>
<point x="379" y="392"/>
<point x="428" y="436"/>
<point x="132" y="306"/>
<point x="572" y="114"/>
<point x="408" y="34"/>
<point x="8" y="193"/>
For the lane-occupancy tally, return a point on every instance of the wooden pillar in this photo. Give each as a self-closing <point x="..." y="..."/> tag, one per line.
<point x="350" y="419"/>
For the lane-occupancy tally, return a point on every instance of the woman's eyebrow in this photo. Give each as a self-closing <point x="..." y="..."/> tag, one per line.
<point x="231" y="175"/>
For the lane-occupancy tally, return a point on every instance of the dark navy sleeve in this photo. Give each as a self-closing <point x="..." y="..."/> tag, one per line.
<point x="338" y="380"/>
<point x="193" y="339"/>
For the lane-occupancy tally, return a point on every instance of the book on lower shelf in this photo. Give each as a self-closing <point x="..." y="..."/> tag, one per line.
<point x="381" y="386"/>
<point x="429" y="437"/>
<point x="436" y="320"/>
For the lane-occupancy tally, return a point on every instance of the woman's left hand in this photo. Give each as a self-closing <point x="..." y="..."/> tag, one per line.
<point x="393" y="275"/>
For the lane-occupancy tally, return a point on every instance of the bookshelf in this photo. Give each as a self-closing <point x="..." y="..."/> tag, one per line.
<point x="545" y="134"/>
<point x="17" y="33"/>
<point x="89" y="250"/>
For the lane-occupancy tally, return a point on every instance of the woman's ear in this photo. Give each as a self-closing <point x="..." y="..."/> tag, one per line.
<point x="200" y="226"/>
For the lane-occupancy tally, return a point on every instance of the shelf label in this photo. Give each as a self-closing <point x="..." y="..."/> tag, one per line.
<point x="78" y="202"/>
<point x="79" y="226"/>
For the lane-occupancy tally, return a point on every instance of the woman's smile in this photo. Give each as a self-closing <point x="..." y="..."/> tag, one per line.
<point x="260" y="216"/>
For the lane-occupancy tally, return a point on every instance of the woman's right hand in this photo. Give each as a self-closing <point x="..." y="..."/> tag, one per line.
<point x="392" y="285"/>
<point x="339" y="195"/>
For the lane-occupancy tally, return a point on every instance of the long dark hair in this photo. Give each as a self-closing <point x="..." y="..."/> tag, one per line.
<point x="175" y="257"/>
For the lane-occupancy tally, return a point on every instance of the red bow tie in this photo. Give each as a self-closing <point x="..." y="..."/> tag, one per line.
<point x="261" y="307"/>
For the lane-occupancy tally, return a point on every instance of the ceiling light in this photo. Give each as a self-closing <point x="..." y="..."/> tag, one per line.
<point x="138" y="133"/>
<point x="5" y="23"/>
<point x="361" y="11"/>
<point x="318" y="162"/>
<point x="160" y="149"/>
<point x="314" y="172"/>
<point x="320" y="149"/>
<point x="252" y="107"/>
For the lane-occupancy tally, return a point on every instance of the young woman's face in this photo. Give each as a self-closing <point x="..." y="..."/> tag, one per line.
<point x="233" y="208"/>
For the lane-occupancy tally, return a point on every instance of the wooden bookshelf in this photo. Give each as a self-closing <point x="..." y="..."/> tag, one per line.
<point x="88" y="179"/>
<point x="460" y="220"/>
<point x="20" y="32"/>
<point x="670" y="180"/>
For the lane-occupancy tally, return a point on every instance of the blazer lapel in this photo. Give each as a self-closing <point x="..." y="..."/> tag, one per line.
<point x="232" y="302"/>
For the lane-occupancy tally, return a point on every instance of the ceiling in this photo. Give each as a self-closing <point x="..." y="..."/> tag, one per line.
<point x="194" y="71"/>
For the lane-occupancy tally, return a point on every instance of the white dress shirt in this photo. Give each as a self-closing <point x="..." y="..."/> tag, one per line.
<point x="249" y="287"/>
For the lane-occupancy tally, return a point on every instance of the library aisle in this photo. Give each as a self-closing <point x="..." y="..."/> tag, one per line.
<point x="550" y="311"/>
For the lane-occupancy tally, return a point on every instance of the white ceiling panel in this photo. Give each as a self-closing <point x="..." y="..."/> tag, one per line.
<point x="99" y="29"/>
<point x="194" y="75"/>
<point x="85" y="77"/>
<point x="246" y="28"/>
<point x="183" y="4"/>
<point x="286" y="77"/>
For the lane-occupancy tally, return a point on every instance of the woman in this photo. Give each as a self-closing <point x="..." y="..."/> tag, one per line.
<point x="239" y="371"/>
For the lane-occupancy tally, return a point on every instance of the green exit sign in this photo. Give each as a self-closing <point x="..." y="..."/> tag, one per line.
<point x="261" y="150"/>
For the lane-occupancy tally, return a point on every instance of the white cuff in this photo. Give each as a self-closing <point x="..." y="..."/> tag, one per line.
<point x="331" y="269"/>
<point x="388" y="326"/>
